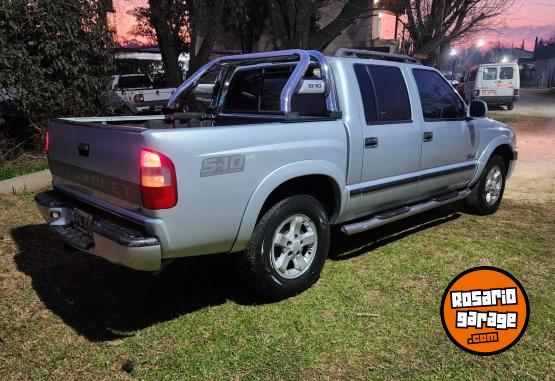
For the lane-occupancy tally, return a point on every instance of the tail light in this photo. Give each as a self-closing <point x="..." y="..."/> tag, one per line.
<point x="46" y="141"/>
<point x="477" y="93"/>
<point x="158" y="182"/>
<point x="138" y="98"/>
<point x="515" y="91"/>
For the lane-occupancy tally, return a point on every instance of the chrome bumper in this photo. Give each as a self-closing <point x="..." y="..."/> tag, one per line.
<point x="118" y="242"/>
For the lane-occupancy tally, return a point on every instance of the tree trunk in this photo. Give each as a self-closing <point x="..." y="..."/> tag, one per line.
<point x="169" y="47"/>
<point x="205" y="24"/>
<point x="202" y="56"/>
<point x="291" y="20"/>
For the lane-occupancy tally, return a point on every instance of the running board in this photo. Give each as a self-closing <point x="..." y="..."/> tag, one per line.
<point x="405" y="211"/>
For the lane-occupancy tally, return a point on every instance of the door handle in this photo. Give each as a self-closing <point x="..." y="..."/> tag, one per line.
<point x="428" y="136"/>
<point x="83" y="149"/>
<point x="371" y="143"/>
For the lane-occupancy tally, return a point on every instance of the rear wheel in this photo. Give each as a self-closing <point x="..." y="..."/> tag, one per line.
<point x="510" y="106"/>
<point x="288" y="248"/>
<point x="488" y="191"/>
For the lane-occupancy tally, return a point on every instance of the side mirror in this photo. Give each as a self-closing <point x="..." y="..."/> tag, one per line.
<point x="477" y="109"/>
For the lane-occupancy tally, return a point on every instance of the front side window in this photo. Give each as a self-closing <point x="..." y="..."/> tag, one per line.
<point x="438" y="99"/>
<point x="473" y="75"/>
<point x="506" y="73"/>
<point x="490" y="73"/>
<point x="384" y="93"/>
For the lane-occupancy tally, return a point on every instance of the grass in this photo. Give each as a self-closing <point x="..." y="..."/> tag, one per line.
<point x="374" y="313"/>
<point x="72" y="316"/>
<point x="21" y="166"/>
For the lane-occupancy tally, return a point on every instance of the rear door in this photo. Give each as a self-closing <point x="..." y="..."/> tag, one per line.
<point x="391" y="138"/>
<point x="506" y="83"/>
<point x="490" y="76"/>
<point x="448" y="140"/>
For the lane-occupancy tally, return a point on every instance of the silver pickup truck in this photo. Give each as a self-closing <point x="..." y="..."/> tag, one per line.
<point x="259" y="154"/>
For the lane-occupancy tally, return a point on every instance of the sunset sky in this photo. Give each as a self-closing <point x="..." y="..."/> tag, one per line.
<point x="526" y="19"/>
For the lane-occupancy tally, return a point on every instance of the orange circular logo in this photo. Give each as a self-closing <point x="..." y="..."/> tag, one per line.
<point x="485" y="310"/>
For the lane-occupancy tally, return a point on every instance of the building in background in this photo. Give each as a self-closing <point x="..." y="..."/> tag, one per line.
<point x="377" y="29"/>
<point x="539" y="70"/>
<point x="505" y="54"/>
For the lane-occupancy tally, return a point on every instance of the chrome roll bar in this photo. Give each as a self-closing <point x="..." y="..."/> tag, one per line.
<point x="327" y="76"/>
<point x="292" y="85"/>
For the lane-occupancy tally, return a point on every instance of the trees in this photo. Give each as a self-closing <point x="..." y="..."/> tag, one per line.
<point x="179" y="26"/>
<point x="165" y="22"/>
<point x="434" y="23"/>
<point x="295" y="22"/>
<point x="196" y="26"/>
<point x="53" y="57"/>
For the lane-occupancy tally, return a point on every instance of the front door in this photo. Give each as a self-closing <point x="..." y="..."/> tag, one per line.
<point x="390" y="136"/>
<point x="449" y="144"/>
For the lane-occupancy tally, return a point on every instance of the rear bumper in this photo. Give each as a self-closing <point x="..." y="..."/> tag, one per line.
<point x="497" y="99"/>
<point x="117" y="241"/>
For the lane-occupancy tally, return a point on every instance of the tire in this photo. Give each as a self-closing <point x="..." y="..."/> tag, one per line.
<point x="272" y="263"/>
<point x="510" y="106"/>
<point x="488" y="191"/>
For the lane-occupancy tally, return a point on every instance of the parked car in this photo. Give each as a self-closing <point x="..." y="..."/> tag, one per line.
<point x="136" y="93"/>
<point x="496" y="84"/>
<point x="262" y="160"/>
<point x="453" y="81"/>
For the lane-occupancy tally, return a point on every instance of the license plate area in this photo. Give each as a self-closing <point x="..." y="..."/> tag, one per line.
<point x="489" y="92"/>
<point x="83" y="221"/>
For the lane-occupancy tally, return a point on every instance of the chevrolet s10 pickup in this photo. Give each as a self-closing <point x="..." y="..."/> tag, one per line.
<point x="260" y="154"/>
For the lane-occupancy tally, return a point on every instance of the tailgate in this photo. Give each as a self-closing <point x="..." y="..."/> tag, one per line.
<point x="96" y="159"/>
<point x="164" y="93"/>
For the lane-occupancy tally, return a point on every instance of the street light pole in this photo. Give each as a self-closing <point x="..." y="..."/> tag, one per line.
<point x="453" y="53"/>
<point x="453" y="67"/>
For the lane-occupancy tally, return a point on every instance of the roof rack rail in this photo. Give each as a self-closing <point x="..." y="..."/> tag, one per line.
<point x="363" y="53"/>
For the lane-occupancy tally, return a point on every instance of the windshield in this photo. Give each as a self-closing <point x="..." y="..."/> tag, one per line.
<point x="134" y="82"/>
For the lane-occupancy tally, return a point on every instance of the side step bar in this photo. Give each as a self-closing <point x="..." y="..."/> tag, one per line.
<point x="403" y="212"/>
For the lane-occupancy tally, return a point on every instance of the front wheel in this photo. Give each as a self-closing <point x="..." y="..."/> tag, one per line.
<point x="510" y="106"/>
<point x="488" y="191"/>
<point x="288" y="248"/>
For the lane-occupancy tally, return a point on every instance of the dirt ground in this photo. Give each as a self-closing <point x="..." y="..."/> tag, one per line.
<point x="533" y="179"/>
<point x="536" y="102"/>
<point x="533" y="119"/>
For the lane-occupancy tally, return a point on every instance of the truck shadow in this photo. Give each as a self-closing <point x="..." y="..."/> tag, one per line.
<point x="346" y="247"/>
<point x="104" y="302"/>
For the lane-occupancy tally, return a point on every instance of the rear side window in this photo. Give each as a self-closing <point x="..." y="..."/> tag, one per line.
<point x="490" y="73"/>
<point x="438" y="99"/>
<point x="134" y="82"/>
<point x="244" y="91"/>
<point x="384" y="93"/>
<point x="259" y="90"/>
<point x="506" y="73"/>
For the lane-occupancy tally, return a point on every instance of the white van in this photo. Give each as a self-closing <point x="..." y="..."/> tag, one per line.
<point x="496" y="84"/>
